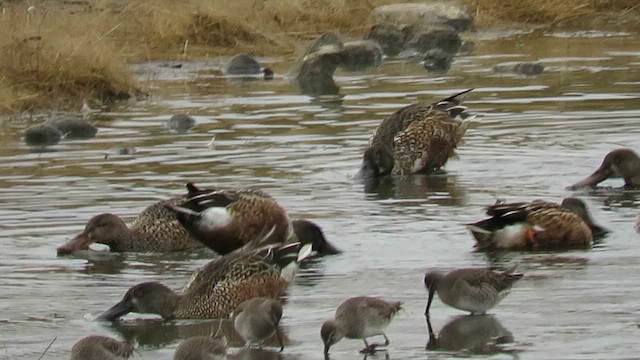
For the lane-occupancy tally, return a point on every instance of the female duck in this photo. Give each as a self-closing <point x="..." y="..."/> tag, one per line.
<point x="418" y="138"/>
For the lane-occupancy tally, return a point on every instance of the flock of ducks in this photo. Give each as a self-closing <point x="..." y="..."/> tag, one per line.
<point x="260" y="246"/>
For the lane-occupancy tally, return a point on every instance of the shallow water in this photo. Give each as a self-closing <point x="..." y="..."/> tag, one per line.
<point x="534" y="136"/>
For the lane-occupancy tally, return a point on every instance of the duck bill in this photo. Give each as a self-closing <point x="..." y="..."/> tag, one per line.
<point x="598" y="176"/>
<point x="365" y="172"/>
<point x="120" y="309"/>
<point x="426" y="311"/>
<point x="80" y="242"/>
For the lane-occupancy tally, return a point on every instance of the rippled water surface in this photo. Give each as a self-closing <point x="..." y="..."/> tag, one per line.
<point x="534" y="136"/>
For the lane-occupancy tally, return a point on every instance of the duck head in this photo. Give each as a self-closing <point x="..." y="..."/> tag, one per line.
<point x="620" y="163"/>
<point x="144" y="298"/>
<point x="103" y="229"/>
<point x="308" y="232"/>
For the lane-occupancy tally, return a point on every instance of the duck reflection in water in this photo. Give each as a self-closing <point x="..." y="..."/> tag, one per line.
<point x="471" y="334"/>
<point x="159" y="333"/>
<point x="441" y="189"/>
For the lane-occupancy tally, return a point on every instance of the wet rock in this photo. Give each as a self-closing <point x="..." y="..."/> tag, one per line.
<point x="73" y="128"/>
<point x="445" y="38"/>
<point x="181" y="123"/>
<point x="243" y="64"/>
<point x="358" y="55"/>
<point x="437" y="60"/>
<point x="329" y="41"/>
<point x="42" y="135"/>
<point x="425" y="15"/>
<point x="390" y="38"/>
<point x="521" y="68"/>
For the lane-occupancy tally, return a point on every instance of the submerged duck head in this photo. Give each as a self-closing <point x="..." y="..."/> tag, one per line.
<point x="308" y="232"/>
<point x="375" y="162"/>
<point x="103" y="229"/>
<point x="144" y="298"/>
<point x="620" y="163"/>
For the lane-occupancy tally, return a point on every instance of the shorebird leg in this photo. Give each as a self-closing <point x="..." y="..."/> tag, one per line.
<point x="279" y="336"/>
<point x="368" y="348"/>
<point x="386" y="340"/>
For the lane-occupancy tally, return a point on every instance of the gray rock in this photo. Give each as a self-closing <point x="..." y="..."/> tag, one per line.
<point x="42" y="135"/>
<point x="390" y="38"/>
<point x="425" y="15"/>
<point x="181" y="123"/>
<point x="358" y="55"/>
<point x="245" y="65"/>
<point x="521" y="68"/>
<point x="445" y="38"/>
<point x="436" y="60"/>
<point x="329" y="41"/>
<point x="73" y="128"/>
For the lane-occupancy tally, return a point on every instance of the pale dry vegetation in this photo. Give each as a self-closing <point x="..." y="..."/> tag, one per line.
<point x="57" y="53"/>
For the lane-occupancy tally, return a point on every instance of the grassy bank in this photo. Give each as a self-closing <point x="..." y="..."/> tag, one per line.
<point x="55" y="54"/>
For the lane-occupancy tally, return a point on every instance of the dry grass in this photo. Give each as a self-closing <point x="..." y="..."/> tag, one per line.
<point x="547" y="11"/>
<point x="61" y="52"/>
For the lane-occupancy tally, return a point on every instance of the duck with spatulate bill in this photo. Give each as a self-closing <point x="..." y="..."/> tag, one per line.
<point x="620" y="163"/>
<point x="536" y="225"/>
<point x="418" y="138"/>
<point x="226" y="219"/>
<point x="220" y="286"/>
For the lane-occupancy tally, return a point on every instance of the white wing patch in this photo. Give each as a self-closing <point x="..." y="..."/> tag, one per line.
<point x="215" y="217"/>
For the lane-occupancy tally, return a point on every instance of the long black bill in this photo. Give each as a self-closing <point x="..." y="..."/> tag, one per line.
<point x="120" y="309"/>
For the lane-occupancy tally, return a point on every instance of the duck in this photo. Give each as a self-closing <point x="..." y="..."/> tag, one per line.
<point x="202" y="348"/>
<point x="96" y="347"/>
<point x="257" y="319"/>
<point x="536" y="225"/>
<point x="155" y="230"/>
<point x="417" y="138"/>
<point x="619" y="163"/>
<point x="226" y="219"/>
<point x="470" y="289"/>
<point x="217" y="289"/>
<point x="360" y="317"/>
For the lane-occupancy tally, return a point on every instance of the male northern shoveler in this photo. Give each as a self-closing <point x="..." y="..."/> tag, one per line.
<point x="97" y="347"/>
<point x="155" y="229"/>
<point x="536" y="225"/>
<point x="257" y="319"/>
<point x="418" y="138"/>
<point x="620" y="163"/>
<point x="359" y="318"/>
<point x="218" y="288"/>
<point x="226" y="219"/>
<point x="472" y="289"/>
<point x="158" y="227"/>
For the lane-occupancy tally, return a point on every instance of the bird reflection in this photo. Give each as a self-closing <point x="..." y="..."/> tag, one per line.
<point x="477" y="334"/>
<point x="441" y="189"/>
<point x="157" y="332"/>
<point x="374" y="355"/>
<point x="256" y="354"/>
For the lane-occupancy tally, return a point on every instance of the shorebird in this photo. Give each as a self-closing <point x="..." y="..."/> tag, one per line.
<point x="472" y="289"/>
<point x="257" y="319"/>
<point x="359" y="318"/>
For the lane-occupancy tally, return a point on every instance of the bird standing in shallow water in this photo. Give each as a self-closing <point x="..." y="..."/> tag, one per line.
<point x="97" y="347"/>
<point x="418" y="138"/>
<point x="471" y="289"/>
<point x="359" y="318"/>
<point x="257" y="319"/>
<point x="536" y="225"/>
